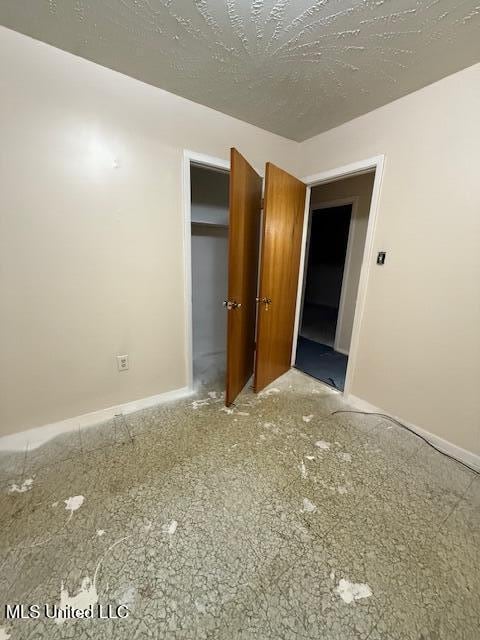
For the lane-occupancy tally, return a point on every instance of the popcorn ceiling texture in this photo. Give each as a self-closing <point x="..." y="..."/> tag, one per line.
<point x="295" y="68"/>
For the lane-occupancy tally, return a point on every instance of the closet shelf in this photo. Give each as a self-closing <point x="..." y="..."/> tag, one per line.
<point x="204" y="223"/>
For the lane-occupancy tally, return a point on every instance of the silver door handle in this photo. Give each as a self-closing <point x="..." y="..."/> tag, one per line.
<point x="266" y="301"/>
<point x="231" y="304"/>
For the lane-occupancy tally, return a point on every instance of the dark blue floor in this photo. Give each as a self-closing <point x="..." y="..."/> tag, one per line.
<point x="321" y="362"/>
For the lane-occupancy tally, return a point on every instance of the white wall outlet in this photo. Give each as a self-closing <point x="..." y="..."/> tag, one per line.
<point x="122" y="363"/>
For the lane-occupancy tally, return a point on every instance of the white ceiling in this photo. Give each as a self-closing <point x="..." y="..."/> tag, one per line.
<point x="294" y="67"/>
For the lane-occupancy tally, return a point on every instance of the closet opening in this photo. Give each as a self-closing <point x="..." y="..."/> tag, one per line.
<point x="209" y="193"/>
<point x="334" y="254"/>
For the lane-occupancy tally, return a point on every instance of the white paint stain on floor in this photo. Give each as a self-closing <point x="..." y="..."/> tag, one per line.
<point x="100" y="532"/>
<point x="73" y="503"/>
<point x="303" y="469"/>
<point x="4" y="634"/>
<point x="345" y="457"/>
<point x="307" y="418"/>
<point x="170" y="528"/>
<point x="268" y="392"/>
<point x="321" y="444"/>
<point x="196" y="404"/>
<point x="352" y="591"/>
<point x="310" y="457"/>
<point x="21" y="488"/>
<point x="309" y="506"/>
<point x="85" y="597"/>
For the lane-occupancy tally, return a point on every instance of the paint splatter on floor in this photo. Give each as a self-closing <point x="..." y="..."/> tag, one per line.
<point x="352" y="591"/>
<point x="303" y="469"/>
<point x="73" y="504"/>
<point x="244" y="518"/>
<point x="170" y="528"/>
<point x="85" y="597"/>
<point x="321" y="444"/>
<point x="268" y="392"/>
<point x="4" y="633"/>
<point x="309" y="506"/>
<point x="25" y="486"/>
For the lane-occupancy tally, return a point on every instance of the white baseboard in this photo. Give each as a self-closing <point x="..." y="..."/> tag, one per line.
<point x="34" y="438"/>
<point x="468" y="457"/>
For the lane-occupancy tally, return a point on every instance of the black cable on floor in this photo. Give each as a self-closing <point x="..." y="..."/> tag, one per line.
<point x="404" y="426"/>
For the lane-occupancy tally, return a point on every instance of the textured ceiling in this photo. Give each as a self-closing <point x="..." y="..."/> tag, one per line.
<point x="294" y="67"/>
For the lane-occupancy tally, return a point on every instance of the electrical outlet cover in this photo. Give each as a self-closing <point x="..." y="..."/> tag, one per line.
<point x="122" y="363"/>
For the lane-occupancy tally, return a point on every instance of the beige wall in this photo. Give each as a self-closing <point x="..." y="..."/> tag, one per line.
<point x="92" y="258"/>
<point x="91" y="255"/>
<point x="360" y="188"/>
<point x="419" y="351"/>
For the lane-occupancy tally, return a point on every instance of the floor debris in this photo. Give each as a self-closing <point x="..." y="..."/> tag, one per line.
<point x="73" y="503"/>
<point x="352" y="591"/>
<point x="22" y="488"/>
<point x="308" y="506"/>
<point x="196" y="404"/>
<point x="4" y="633"/>
<point x="303" y="469"/>
<point x="269" y="392"/>
<point x="85" y="597"/>
<point x="170" y="528"/>
<point x="246" y="516"/>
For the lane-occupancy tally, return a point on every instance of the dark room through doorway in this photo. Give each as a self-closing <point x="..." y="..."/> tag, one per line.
<point x="324" y="275"/>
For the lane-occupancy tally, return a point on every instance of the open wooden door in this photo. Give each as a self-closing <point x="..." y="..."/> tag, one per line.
<point x="283" y="215"/>
<point x="243" y="244"/>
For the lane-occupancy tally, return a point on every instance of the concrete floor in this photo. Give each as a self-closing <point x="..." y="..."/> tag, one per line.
<point x="272" y="520"/>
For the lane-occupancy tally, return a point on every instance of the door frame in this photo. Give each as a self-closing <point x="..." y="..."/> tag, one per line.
<point x="340" y="202"/>
<point x="376" y="163"/>
<point x="212" y="163"/>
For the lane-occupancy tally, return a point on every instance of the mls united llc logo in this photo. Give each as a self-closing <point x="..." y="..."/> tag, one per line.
<point x="54" y="612"/>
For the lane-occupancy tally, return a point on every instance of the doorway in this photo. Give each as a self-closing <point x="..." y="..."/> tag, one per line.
<point x="286" y="200"/>
<point x="209" y="259"/>
<point x="335" y="245"/>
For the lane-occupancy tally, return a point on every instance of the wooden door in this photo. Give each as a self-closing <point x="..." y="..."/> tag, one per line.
<point x="243" y="244"/>
<point x="283" y="215"/>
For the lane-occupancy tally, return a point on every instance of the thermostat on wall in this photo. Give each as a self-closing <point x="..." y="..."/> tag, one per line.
<point x="381" y="257"/>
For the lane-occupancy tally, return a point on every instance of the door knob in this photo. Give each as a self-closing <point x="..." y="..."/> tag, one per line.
<point x="231" y="304"/>
<point x="266" y="301"/>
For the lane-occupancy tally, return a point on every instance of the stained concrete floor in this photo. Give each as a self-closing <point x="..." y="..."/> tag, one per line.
<point x="273" y="520"/>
